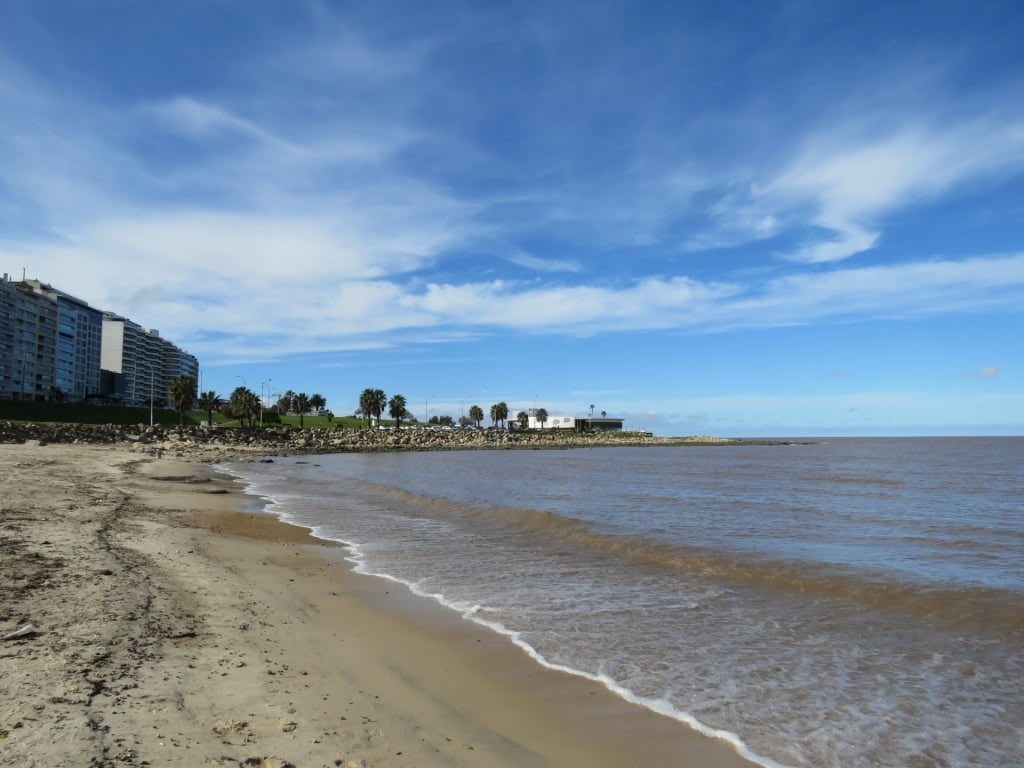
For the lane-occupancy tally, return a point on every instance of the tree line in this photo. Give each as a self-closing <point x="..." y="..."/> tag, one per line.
<point x="246" y="406"/>
<point x="243" y="404"/>
<point x="373" y="402"/>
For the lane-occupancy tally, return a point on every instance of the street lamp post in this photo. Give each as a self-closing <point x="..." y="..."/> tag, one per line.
<point x="261" y="399"/>
<point x="151" y="396"/>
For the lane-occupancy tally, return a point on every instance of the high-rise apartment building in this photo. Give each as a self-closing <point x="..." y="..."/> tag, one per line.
<point x="54" y="346"/>
<point x="138" y="364"/>
<point x="79" y="338"/>
<point x="49" y="343"/>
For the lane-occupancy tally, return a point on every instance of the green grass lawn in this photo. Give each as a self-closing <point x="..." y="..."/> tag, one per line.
<point x="79" y="413"/>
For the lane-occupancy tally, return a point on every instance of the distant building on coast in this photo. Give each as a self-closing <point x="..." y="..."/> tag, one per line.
<point x="575" y="423"/>
<point x="54" y="346"/>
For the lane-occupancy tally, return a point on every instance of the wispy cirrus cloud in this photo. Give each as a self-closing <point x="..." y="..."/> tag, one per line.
<point x="539" y="264"/>
<point x="848" y="185"/>
<point x="202" y="120"/>
<point x="987" y="373"/>
<point x="916" y="289"/>
<point x="829" y="186"/>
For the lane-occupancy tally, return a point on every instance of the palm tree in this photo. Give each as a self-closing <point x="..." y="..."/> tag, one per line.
<point x="476" y="414"/>
<point x="494" y="414"/>
<point x="502" y="412"/>
<point x="524" y="419"/>
<point x="378" y="402"/>
<point x="209" y="402"/>
<point x="251" y="406"/>
<point x="542" y="416"/>
<point x="365" y="399"/>
<point x="317" y="402"/>
<point x="244" y="405"/>
<point x="183" y="395"/>
<point x="285" y="402"/>
<point x="301" y="404"/>
<point x="396" y="407"/>
<point x="372" y="403"/>
<point x="591" y="409"/>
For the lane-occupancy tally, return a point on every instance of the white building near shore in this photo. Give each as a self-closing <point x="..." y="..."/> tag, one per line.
<point x="575" y="423"/>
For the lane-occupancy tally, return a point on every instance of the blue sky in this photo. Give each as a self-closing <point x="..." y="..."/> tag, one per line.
<point x="738" y="218"/>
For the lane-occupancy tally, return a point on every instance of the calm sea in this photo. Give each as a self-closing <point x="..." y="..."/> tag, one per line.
<point x="857" y="602"/>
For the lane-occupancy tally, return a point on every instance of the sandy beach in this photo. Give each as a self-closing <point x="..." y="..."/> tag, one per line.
<point x="172" y="624"/>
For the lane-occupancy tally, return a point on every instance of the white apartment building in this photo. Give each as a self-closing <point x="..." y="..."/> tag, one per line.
<point x="138" y="364"/>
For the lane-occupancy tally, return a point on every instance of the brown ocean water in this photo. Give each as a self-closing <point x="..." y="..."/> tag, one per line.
<point x="855" y="602"/>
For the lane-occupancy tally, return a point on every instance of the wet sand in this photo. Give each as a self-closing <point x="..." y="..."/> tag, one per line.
<point x="172" y="627"/>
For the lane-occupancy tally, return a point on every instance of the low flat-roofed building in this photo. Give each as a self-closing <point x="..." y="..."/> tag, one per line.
<point x="575" y="423"/>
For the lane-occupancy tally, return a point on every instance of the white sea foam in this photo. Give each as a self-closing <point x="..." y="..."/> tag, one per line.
<point x="471" y="612"/>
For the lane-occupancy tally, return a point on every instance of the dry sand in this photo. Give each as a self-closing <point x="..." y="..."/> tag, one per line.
<point x="173" y="628"/>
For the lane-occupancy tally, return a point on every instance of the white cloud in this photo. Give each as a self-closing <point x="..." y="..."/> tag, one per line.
<point x="850" y="240"/>
<point x="848" y="183"/>
<point x="987" y="373"/>
<point x="736" y="220"/>
<point x="539" y="264"/>
<point x="831" y="179"/>
<point x="292" y="283"/>
<point x="340" y="53"/>
<point x="192" y="117"/>
<point x="914" y="289"/>
<point x="649" y="303"/>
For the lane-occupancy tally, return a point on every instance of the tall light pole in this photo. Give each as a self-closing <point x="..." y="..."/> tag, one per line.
<point x="261" y="399"/>
<point x="135" y="385"/>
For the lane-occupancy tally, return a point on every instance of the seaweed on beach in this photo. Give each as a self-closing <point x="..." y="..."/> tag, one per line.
<point x="22" y="571"/>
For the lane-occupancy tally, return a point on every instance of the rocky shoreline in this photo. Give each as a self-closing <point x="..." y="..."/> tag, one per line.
<point x="217" y="443"/>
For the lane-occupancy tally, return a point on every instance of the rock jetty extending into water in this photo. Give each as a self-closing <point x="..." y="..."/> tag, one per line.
<point x="292" y="440"/>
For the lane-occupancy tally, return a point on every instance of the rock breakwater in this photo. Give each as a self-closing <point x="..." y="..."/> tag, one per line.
<point x="292" y="440"/>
